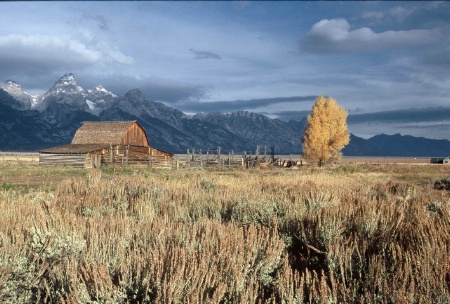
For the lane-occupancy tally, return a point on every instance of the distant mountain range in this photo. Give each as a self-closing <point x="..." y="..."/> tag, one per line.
<point x="30" y="123"/>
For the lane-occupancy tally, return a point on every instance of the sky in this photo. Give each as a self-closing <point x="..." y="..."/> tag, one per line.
<point x="387" y="63"/>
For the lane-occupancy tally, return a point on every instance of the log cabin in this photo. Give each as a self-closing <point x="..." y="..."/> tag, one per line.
<point x="104" y="143"/>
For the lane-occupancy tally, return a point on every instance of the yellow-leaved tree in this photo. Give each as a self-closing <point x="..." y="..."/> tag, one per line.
<point x="326" y="133"/>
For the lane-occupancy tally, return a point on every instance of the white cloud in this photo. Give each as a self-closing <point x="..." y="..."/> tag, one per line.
<point x="336" y="36"/>
<point x="397" y="14"/>
<point x="400" y="13"/>
<point x="37" y="47"/>
<point x="378" y="15"/>
<point x="55" y="51"/>
<point x="108" y="52"/>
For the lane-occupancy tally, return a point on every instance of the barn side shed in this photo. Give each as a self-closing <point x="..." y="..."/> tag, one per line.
<point x="74" y="155"/>
<point x="98" y="143"/>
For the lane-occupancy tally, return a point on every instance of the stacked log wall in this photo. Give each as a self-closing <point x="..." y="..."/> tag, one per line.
<point x="69" y="160"/>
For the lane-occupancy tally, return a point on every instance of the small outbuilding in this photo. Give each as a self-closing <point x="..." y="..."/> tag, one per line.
<point x="103" y="143"/>
<point x="446" y="161"/>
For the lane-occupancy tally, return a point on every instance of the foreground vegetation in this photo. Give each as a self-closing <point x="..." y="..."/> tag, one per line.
<point x="341" y="234"/>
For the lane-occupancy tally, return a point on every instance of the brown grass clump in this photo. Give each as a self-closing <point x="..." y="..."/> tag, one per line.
<point x="331" y="235"/>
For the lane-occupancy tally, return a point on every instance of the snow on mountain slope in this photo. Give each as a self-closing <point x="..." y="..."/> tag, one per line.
<point x="15" y="90"/>
<point x="66" y="91"/>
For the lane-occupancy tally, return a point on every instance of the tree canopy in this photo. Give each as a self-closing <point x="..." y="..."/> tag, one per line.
<point x="326" y="133"/>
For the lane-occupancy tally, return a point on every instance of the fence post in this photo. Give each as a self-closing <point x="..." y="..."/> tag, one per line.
<point x="218" y="153"/>
<point x="272" y="153"/>
<point x="201" y="158"/>
<point x="149" y="158"/>
<point x="187" y="159"/>
<point x="257" y="156"/>
<point x="110" y="154"/>
<point x="127" y="148"/>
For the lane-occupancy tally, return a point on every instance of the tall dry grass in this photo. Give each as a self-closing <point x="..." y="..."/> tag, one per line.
<point x="335" y="235"/>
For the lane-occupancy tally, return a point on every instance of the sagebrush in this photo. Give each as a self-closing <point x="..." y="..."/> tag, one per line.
<point x="330" y="235"/>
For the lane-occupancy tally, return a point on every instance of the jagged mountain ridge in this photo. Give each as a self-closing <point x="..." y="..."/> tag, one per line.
<point x="64" y="91"/>
<point x="22" y="100"/>
<point x="407" y="145"/>
<point x="255" y="127"/>
<point x="52" y="118"/>
<point x="64" y="106"/>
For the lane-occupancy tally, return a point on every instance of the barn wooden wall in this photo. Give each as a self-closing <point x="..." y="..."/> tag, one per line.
<point x="135" y="136"/>
<point x="70" y="160"/>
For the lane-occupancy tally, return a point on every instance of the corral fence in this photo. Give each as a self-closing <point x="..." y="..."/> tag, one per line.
<point x="132" y="155"/>
<point x="112" y="155"/>
<point x="198" y="158"/>
<point x="210" y="158"/>
<point x="126" y="155"/>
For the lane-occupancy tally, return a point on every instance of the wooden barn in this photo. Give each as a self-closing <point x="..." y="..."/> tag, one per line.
<point x="103" y="143"/>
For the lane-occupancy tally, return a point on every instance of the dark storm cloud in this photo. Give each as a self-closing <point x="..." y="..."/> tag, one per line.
<point x="237" y="105"/>
<point x="424" y="115"/>
<point x="167" y="91"/>
<point x="430" y="114"/>
<point x="173" y="93"/>
<point x="426" y="122"/>
<point x="205" y="55"/>
<point x="441" y="59"/>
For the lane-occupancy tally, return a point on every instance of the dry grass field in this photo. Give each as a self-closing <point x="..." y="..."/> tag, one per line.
<point x="355" y="232"/>
<point x="19" y="158"/>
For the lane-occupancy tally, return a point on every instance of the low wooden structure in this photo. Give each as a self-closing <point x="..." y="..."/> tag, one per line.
<point x="106" y="143"/>
<point x="216" y="158"/>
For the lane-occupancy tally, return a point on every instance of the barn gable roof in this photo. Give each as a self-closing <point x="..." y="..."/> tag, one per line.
<point x="75" y="149"/>
<point x="106" y="132"/>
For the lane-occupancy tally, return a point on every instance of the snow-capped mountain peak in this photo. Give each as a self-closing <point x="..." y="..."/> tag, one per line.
<point x="99" y="99"/>
<point x="15" y="90"/>
<point x="67" y="85"/>
<point x="100" y="90"/>
<point x="12" y="85"/>
<point x="68" y="79"/>
<point x="64" y="92"/>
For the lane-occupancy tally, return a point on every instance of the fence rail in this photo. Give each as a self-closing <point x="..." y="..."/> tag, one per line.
<point x="216" y="158"/>
<point x="124" y="155"/>
<point x="137" y="156"/>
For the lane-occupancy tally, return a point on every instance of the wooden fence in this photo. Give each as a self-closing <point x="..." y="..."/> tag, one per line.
<point x="215" y="158"/>
<point x="69" y="160"/>
<point x="122" y="155"/>
<point x="135" y="155"/>
<point x="125" y="155"/>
